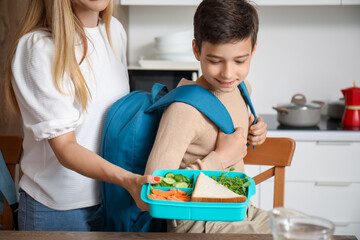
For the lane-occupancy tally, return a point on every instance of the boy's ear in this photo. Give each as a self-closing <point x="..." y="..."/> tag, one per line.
<point x="195" y="50"/>
<point x="254" y="49"/>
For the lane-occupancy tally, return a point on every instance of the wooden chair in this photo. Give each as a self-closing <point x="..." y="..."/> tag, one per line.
<point x="276" y="152"/>
<point x="11" y="149"/>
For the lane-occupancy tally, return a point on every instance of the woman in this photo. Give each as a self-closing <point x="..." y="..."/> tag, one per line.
<point x="66" y="68"/>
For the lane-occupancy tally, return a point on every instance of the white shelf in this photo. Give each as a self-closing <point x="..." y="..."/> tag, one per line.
<point x="145" y="64"/>
<point x="258" y="2"/>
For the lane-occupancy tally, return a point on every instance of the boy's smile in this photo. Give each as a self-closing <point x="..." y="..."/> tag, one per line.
<point x="225" y="65"/>
<point x="225" y="83"/>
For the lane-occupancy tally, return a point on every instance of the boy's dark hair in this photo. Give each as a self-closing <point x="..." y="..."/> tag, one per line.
<point x="224" y="21"/>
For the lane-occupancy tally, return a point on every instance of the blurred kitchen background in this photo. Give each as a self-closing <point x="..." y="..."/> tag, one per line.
<point x="314" y="50"/>
<point x="309" y="47"/>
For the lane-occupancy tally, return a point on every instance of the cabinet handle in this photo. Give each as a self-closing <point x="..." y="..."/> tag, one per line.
<point x="341" y="224"/>
<point x="333" y="143"/>
<point x="333" y="184"/>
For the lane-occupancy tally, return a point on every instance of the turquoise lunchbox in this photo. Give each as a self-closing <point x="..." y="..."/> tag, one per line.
<point x="199" y="211"/>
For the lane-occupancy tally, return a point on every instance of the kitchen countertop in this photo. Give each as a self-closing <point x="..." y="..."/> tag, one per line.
<point x="328" y="130"/>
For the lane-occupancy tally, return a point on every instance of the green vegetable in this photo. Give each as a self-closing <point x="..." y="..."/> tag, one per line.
<point x="170" y="175"/>
<point x="179" y="178"/>
<point x="172" y="180"/>
<point x="181" y="185"/>
<point x="169" y="180"/>
<point x="186" y="179"/>
<point x="235" y="184"/>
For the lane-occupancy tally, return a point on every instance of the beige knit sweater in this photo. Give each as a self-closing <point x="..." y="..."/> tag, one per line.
<point x="186" y="138"/>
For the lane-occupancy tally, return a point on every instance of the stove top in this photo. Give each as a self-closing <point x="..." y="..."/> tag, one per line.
<point x="326" y="124"/>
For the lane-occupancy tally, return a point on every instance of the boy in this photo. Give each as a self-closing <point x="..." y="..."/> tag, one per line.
<point x="225" y="41"/>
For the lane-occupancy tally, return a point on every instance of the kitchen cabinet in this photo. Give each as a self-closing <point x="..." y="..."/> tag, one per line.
<point x="258" y="2"/>
<point x="325" y="162"/>
<point x="350" y="2"/>
<point x="323" y="180"/>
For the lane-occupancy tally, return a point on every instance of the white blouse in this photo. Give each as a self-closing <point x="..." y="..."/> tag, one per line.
<point x="48" y="113"/>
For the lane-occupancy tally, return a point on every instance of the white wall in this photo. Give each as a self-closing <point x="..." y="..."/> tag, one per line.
<point x="311" y="50"/>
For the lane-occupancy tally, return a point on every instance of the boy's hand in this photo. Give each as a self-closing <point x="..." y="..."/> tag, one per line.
<point x="257" y="132"/>
<point x="231" y="148"/>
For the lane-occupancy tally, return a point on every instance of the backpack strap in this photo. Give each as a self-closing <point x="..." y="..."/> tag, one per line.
<point x="203" y="100"/>
<point x="245" y="93"/>
<point x="200" y="98"/>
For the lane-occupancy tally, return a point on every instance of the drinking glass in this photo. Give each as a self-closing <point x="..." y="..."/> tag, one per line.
<point x="289" y="224"/>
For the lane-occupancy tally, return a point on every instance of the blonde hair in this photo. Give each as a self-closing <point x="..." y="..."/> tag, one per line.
<point x="57" y="18"/>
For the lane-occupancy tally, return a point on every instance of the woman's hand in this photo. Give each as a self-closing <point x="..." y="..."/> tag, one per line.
<point x="257" y="132"/>
<point x="133" y="185"/>
<point x="231" y="148"/>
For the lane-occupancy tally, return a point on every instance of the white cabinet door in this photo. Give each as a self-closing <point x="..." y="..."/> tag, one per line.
<point x="323" y="180"/>
<point x="325" y="162"/>
<point x="347" y="229"/>
<point x="252" y="170"/>
<point x="338" y="203"/>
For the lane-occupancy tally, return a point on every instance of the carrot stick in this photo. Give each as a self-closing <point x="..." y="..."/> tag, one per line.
<point x="171" y="195"/>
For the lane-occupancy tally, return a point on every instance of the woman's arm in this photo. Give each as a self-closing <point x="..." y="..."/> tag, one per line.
<point x="81" y="160"/>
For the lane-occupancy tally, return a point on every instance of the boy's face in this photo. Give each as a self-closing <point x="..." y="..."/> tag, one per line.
<point x="224" y="66"/>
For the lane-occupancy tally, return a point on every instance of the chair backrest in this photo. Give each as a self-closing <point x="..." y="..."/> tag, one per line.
<point x="11" y="149"/>
<point x="276" y="152"/>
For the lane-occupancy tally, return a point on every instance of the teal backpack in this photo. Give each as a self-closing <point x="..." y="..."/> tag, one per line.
<point x="129" y="133"/>
<point x="7" y="191"/>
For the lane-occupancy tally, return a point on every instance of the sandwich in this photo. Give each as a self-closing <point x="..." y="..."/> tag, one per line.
<point x="208" y="190"/>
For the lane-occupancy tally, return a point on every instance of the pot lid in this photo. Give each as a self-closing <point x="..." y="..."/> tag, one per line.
<point x="298" y="101"/>
<point x="340" y="102"/>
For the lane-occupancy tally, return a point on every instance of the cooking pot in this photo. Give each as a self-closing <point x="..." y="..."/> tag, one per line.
<point x="298" y="113"/>
<point x="336" y="109"/>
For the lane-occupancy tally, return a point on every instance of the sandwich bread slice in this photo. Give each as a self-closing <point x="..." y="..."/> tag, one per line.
<point x="208" y="190"/>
